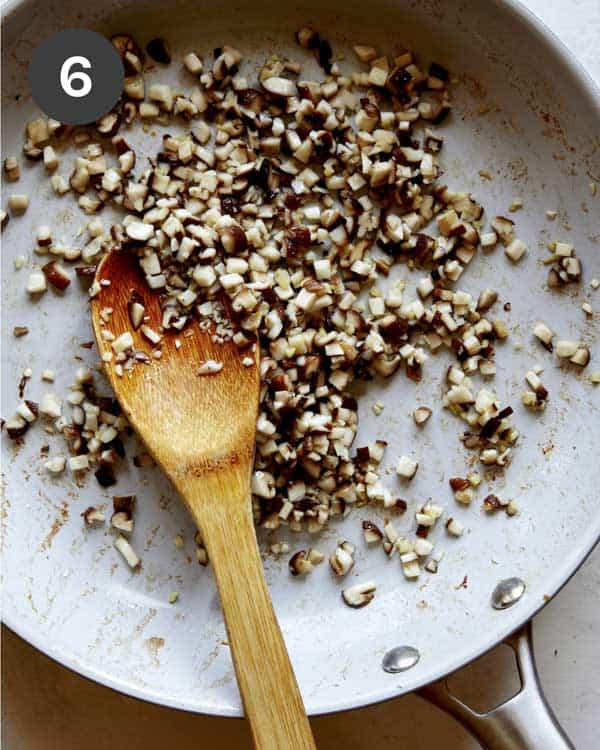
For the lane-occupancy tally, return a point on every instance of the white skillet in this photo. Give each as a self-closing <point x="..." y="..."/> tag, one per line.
<point x="66" y="591"/>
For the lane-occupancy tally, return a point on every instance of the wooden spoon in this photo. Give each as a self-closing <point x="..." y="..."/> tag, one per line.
<point x="201" y="430"/>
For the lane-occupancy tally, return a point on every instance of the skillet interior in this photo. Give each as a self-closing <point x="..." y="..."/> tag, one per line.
<point x="65" y="591"/>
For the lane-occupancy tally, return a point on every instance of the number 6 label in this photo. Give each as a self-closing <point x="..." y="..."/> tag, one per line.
<point x="67" y="78"/>
<point x="76" y="76"/>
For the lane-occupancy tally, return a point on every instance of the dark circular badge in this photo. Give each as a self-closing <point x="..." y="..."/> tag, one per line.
<point x="76" y="76"/>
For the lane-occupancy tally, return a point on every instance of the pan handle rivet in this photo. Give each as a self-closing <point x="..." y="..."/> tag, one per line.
<point x="400" y="659"/>
<point x="507" y="592"/>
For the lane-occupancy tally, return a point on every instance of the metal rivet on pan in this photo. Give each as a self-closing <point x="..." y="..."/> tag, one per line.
<point x="507" y="593"/>
<point x="400" y="659"/>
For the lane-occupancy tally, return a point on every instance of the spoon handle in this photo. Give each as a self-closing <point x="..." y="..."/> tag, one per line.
<point x="269" y="690"/>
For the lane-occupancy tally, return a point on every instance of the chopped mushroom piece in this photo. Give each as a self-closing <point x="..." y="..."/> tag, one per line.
<point x="136" y="309"/>
<point x="581" y="357"/>
<point x="515" y="250"/>
<point x="342" y="558"/>
<point x="566" y="266"/>
<point x="51" y="161"/>
<point x="56" y="464"/>
<point x="464" y="496"/>
<point x="454" y="527"/>
<point x="421" y="414"/>
<point x="486" y="299"/>
<point x="378" y="408"/>
<point x="360" y="594"/>
<point x="474" y="478"/>
<point x="150" y="334"/>
<point x="56" y="275"/>
<point x="79" y="463"/>
<point x="193" y="63"/>
<point x="315" y="556"/>
<point x="139" y="231"/>
<point x="18" y="203"/>
<point x="122" y="343"/>
<point x="16" y="427"/>
<point x="566" y="349"/>
<point x="504" y="228"/>
<point x="129" y="554"/>
<point x="544" y="335"/>
<point x="122" y="517"/>
<point x="299" y="564"/>
<point x="93" y="517"/>
<point x="210" y="367"/>
<point x="371" y="533"/>
<point x="122" y="522"/>
<point x="11" y="169"/>
<point x="51" y="405"/>
<point x="537" y="397"/>
<point x="422" y="547"/>
<point x="279" y="86"/>
<point x="406" y="467"/>
<point x="28" y="410"/>
<point x="492" y="503"/>
<point x="36" y="283"/>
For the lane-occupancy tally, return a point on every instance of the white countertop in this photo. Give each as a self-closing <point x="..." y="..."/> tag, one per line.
<point x="47" y="707"/>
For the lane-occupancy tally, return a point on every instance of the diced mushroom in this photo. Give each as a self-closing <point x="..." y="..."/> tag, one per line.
<point x="360" y="594"/>
<point x="406" y="467"/>
<point x="515" y="250"/>
<point x="51" y="405"/>
<point x="56" y="275"/>
<point x="18" y="203"/>
<point x="565" y="349"/>
<point x="56" y="464"/>
<point x="342" y="558"/>
<point x="581" y="357"/>
<point x="544" y="335"/>
<point x="139" y="231"/>
<point x="454" y="527"/>
<point x="371" y="533"/>
<point x="16" y="427"/>
<point x="128" y="553"/>
<point x="193" y="63"/>
<point x="279" y="86"/>
<point x="504" y="228"/>
<point x="299" y="564"/>
<point x="136" y="309"/>
<point x="93" y="517"/>
<point x="11" y="169"/>
<point x="210" y="367"/>
<point x="421" y="414"/>
<point x="122" y="522"/>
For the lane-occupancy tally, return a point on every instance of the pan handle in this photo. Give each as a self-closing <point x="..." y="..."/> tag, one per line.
<point x="525" y="722"/>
